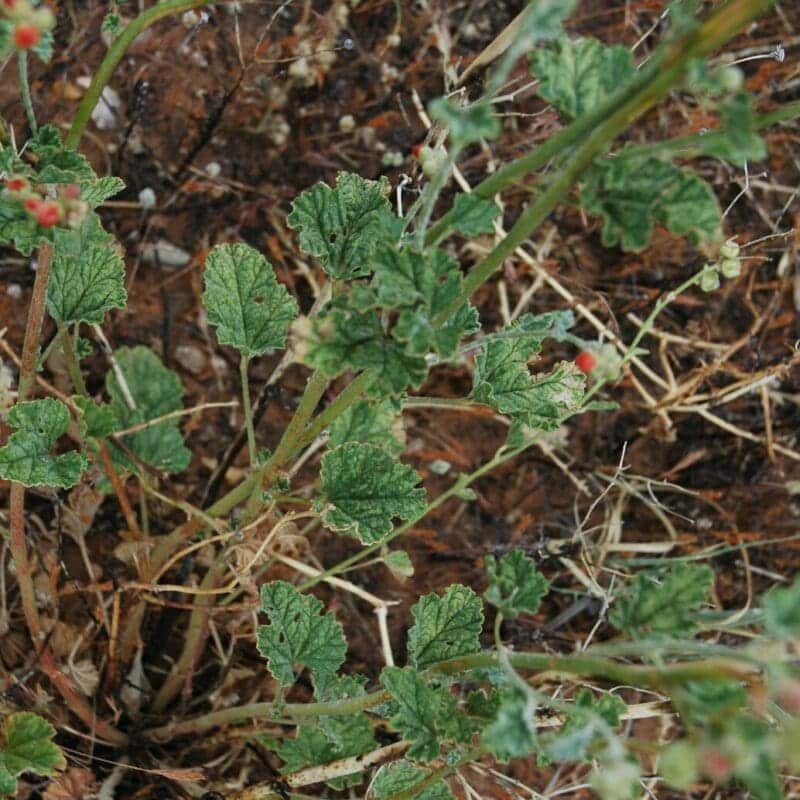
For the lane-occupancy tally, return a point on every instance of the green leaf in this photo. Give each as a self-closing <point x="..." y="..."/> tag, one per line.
<point x="364" y="489"/>
<point x="423" y="714"/>
<point x="512" y="733"/>
<point x="633" y="194"/>
<point x="740" y="141"/>
<point x="98" y="420"/>
<point x="18" y="228"/>
<point x="368" y="422"/>
<point x="27" y="459"/>
<point x="88" y="276"/>
<point x="466" y="124"/>
<point x="96" y="192"/>
<point x="402" y="776"/>
<point x="782" y="611"/>
<point x="346" y="338"/>
<point x="503" y="382"/>
<point x="579" y="75"/>
<point x="28" y="747"/>
<point x="445" y="627"/>
<point x="244" y="300"/>
<point x="342" y="226"/>
<point x="515" y="585"/>
<point x="404" y="277"/>
<point x="298" y="634"/>
<point x="57" y="163"/>
<point x="156" y="391"/>
<point x="350" y="734"/>
<point x="661" y="602"/>
<point x="588" y="722"/>
<point x="704" y="702"/>
<point x="473" y="215"/>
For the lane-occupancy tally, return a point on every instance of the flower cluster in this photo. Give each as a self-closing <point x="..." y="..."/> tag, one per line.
<point x="728" y="265"/>
<point x="68" y="208"/>
<point x="29" y="22"/>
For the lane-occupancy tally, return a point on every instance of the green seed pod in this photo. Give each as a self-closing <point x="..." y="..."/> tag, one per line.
<point x="729" y="250"/>
<point x="432" y="159"/>
<point x="730" y="267"/>
<point x="709" y="280"/>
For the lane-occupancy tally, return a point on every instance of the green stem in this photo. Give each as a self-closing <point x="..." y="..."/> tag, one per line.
<point x="248" y="410"/>
<point x="655" y="80"/>
<point x="585" y="664"/>
<point x="71" y="359"/>
<point x="25" y="89"/>
<point x="115" y="54"/>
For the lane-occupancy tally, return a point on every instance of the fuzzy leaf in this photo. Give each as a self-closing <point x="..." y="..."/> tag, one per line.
<point x="503" y="382"/>
<point x="588" y="721"/>
<point x="350" y="734"/>
<point x="367" y="422"/>
<point x="18" y="228"/>
<point x="633" y="194"/>
<point x="782" y="611"/>
<point x="27" y="747"/>
<point x="298" y="634"/>
<point x="97" y="192"/>
<point x="740" y="141"/>
<point x="156" y="391"/>
<point x="402" y="776"/>
<point x="57" y="163"/>
<point x="512" y="733"/>
<point x="88" y="275"/>
<point x="660" y="603"/>
<point x="445" y="627"/>
<point x="346" y="338"/>
<point x="342" y="226"/>
<point x="98" y="420"/>
<point x="422" y="714"/>
<point x="515" y="585"/>
<point x="466" y="124"/>
<point x="27" y="459"/>
<point x="364" y="488"/>
<point x="579" y="75"/>
<point x="474" y="215"/>
<point x="244" y="300"/>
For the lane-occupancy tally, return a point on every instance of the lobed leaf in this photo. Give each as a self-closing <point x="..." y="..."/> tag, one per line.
<point x="512" y="732"/>
<point x="298" y="634"/>
<point x="156" y="391"/>
<point x="342" y="226"/>
<point x="515" y="585"/>
<point x="364" y="489"/>
<point x="244" y="300"/>
<point x="368" y="422"/>
<point x="403" y="777"/>
<point x="472" y="215"/>
<point x="578" y="75"/>
<point x="445" y="627"/>
<point x="633" y="194"/>
<point x="662" y="602"/>
<point x="27" y="747"/>
<point x="26" y="458"/>
<point x="88" y="274"/>
<point x="782" y="611"/>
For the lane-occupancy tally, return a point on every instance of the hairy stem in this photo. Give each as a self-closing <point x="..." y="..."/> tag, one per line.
<point x="25" y="89"/>
<point x="659" y="678"/>
<point x="17" y="544"/>
<point x="248" y="410"/>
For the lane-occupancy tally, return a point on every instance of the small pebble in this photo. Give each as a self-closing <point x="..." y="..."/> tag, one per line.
<point x="147" y="198"/>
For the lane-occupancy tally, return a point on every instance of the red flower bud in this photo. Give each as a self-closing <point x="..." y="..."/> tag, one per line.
<point x="26" y="36"/>
<point x="16" y="184"/>
<point x="32" y="204"/>
<point x="416" y="150"/>
<point x="716" y="764"/>
<point x="48" y="214"/>
<point x="586" y="361"/>
<point x="72" y="191"/>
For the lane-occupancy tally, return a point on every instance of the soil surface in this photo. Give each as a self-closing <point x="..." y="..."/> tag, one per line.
<point x="216" y="122"/>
